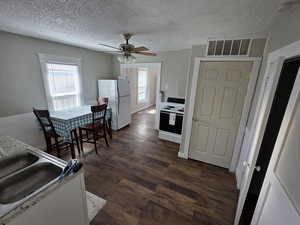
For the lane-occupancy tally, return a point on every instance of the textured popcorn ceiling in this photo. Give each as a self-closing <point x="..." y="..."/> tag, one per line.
<point x="158" y="24"/>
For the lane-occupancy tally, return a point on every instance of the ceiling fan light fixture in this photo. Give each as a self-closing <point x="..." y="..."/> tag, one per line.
<point x="126" y="59"/>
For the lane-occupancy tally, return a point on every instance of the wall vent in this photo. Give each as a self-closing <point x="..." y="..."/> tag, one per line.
<point x="238" y="47"/>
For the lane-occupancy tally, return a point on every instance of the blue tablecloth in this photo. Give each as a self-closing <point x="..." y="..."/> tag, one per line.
<point x="65" y="121"/>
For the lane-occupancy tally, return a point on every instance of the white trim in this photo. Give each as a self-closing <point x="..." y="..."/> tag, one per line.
<point x="59" y="59"/>
<point x="245" y="113"/>
<point x="142" y="108"/>
<point x="46" y="58"/>
<point x="188" y="117"/>
<point x="251" y="87"/>
<point x="157" y="101"/>
<point x="183" y="155"/>
<point x="288" y="51"/>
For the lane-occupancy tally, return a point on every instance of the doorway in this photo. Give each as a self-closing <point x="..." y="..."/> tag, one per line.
<point x="144" y="81"/>
<point x="282" y="94"/>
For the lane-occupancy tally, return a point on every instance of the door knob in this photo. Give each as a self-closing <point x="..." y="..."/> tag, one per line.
<point x="257" y="168"/>
<point x="246" y="164"/>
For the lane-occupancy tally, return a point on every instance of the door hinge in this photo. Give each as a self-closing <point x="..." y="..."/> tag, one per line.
<point x="267" y="81"/>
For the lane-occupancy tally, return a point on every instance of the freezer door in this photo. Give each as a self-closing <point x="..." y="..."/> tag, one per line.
<point x="124" y="115"/>
<point x="123" y="88"/>
<point x="114" y="120"/>
<point x="107" y="88"/>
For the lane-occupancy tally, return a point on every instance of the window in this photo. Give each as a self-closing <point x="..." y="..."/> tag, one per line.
<point x="142" y="85"/>
<point x="62" y="82"/>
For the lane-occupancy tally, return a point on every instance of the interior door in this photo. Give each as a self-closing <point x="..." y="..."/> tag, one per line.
<point x="279" y="200"/>
<point x="221" y="90"/>
<point x="267" y="93"/>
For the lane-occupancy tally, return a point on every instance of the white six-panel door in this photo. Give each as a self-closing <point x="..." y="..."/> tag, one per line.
<point x="220" y="95"/>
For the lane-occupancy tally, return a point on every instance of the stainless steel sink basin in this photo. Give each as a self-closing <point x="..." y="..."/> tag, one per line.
<point x="16" y="162"/>
<point x="20" y="185"/>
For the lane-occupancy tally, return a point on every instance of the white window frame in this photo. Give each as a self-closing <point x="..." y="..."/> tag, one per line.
<point x="147" y="86"/>
<point x="46" y="58"/>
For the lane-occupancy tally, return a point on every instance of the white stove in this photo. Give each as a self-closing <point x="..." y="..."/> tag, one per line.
<point x="171" y="120"/>
<point x="172" y="107"/>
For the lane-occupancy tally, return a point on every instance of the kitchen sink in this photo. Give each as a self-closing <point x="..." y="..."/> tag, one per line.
<point x="16" y="162"/>
<point x="20" y="185"/>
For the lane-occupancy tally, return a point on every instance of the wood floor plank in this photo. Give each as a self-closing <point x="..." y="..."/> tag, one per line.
<point x="155" y="214"/>
<point x="174" y="201"/>
<point x="118" y="214"/>
<point x="145" y="183"/>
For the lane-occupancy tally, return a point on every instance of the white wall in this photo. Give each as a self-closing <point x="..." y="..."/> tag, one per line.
<point x="197" y="51"/>
<point x="21" y="84"/>
<point x="23" y="127"/>
<point x="283" y="30"/>
<point x="175" y="66"/>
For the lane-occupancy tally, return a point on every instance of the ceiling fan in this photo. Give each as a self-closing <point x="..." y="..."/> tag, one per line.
<point x="126" y="50"/>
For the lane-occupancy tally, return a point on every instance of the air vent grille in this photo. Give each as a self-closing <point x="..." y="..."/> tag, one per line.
<point x="228" y="47"/>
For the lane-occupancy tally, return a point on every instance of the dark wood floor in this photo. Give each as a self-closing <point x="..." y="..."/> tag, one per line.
<point x="145" y="183"/>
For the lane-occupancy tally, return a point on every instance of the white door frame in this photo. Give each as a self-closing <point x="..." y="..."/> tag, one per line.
<point x="246" y="108"/>
<point x="157" y="65"/>
<point x="263" y="108"/>
<point x="284" y="53"/>
<point x="269" y="86"/>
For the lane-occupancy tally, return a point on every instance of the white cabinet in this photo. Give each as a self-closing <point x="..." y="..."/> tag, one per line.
<point x="65" y="205"/>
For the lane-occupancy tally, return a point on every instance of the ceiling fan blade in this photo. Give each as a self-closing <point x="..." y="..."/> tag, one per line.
<point x="110" y="46"/>
<point x="140" y="49"/>
<point x="145" y="53"/>
<point x="113" y="52"/>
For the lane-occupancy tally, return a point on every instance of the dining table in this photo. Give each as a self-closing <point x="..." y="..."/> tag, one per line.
<point x="67" y="121"/>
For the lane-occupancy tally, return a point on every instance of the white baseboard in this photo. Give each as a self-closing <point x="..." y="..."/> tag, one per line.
<point x="142" y="108"/>
<point x="183" y="155"/>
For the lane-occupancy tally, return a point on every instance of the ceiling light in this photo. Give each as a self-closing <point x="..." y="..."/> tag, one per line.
<point x="126" y="58"/>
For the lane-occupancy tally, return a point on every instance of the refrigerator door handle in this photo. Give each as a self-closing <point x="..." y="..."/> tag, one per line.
<point x="119" y="106"/>
<point x="118" y="96"/>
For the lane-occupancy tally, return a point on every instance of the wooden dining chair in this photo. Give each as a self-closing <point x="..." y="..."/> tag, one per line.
<point x="50" y="134"/>
<point x="101" y="101"/>
<point x="97" y="128"/>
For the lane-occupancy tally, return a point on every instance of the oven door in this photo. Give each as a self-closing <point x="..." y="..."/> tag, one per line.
<point x="164" y="124"/>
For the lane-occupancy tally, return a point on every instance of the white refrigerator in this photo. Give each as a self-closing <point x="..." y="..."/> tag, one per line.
<point x="118" y="93"/>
